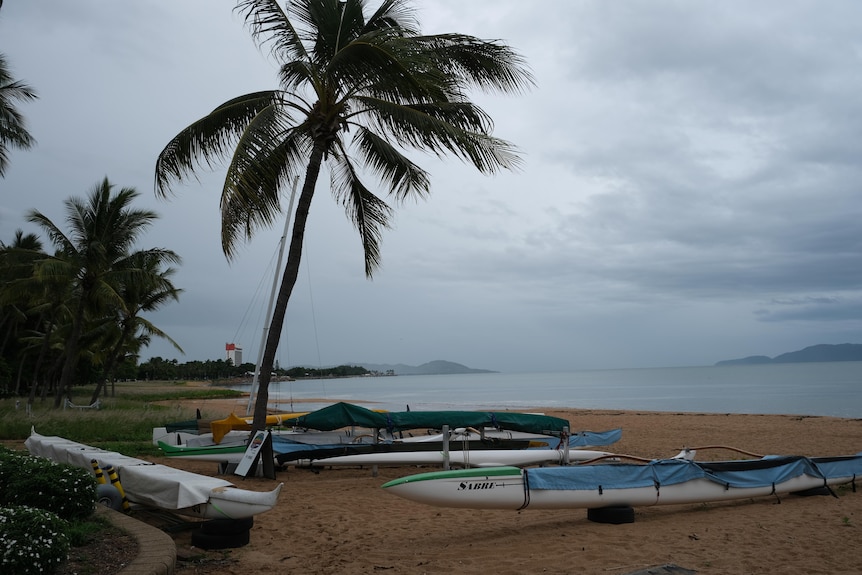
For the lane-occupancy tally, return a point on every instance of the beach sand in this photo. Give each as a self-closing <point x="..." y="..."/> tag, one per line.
<point x="339" y="521"/>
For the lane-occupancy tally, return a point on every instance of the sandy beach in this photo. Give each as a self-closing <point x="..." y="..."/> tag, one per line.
<point x="339" y="521"/>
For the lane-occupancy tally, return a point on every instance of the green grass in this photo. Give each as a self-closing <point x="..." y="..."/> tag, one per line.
<point x="124" y="423"/>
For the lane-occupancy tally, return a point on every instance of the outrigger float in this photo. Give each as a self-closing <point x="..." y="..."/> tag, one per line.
<point x="153" y="485"/>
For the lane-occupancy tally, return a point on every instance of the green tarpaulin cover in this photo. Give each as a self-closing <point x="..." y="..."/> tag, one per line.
<point x="341" y="415"/>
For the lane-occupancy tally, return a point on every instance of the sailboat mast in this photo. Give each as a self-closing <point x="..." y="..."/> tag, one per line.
<point x="275" y="278"/>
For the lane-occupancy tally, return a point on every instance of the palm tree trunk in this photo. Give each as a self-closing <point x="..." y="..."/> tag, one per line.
<point x="71" y="353"/>
<point x="288" y="280"/>
<point x="110" y="366"/>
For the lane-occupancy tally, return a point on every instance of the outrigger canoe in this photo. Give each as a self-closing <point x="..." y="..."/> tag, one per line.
<point x="463" y="458"/>
<point x="488" y="448"/>
<point x="160" y="486"/>
<point x="287" y="450"/>
<point x="659" y="482"/>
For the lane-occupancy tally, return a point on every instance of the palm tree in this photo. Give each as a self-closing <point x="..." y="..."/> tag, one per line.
<point x="149" y="290"/>
<point x="95" y="259"/>
<point x="16" y="263"/>
<point x="370" y="84"/>
<point x="13" y="131"/>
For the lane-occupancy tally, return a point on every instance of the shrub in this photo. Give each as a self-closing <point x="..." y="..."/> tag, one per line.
<point x="68" y="491"/>
<point x="10" y="462"/>
<point x="31" y="541"/>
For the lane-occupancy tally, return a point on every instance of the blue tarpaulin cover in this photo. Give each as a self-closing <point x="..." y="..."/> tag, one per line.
<point x="585" y="438"/>
<point x="748" y="473"/>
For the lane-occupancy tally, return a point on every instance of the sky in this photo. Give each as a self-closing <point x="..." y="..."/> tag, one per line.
<point x="689" y="190"/>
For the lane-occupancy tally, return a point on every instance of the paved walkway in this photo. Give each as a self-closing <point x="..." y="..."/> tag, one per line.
<point x="157" y="552"/>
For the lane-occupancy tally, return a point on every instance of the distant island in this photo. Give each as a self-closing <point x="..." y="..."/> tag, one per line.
<point x="436" y="367"/>
<point x="814" y="353"/>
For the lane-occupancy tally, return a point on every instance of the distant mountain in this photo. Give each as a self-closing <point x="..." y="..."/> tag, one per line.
<point x="814" y="353"/>
<point x="437" y="367"/>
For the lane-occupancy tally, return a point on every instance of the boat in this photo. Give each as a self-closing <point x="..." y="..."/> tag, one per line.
<point x="288" y="451"/>
<point x="154" y="485"/>
<point x="463" y="457"/>
<point x="286" y="448"/>
<point x="329" y="436"/>
<point x="610" y="485"/>
<point x="231" y="429"/>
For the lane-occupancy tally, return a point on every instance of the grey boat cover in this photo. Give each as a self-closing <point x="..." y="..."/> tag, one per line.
<point x="745" y="473"/>
<point x="144" y="482"/>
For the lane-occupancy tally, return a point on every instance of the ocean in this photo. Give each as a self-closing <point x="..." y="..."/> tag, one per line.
<point x="829" y="389"/>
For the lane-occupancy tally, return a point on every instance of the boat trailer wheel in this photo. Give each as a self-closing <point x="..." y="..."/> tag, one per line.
<point x="615" y="515"/>
<point x="109" y="496"/>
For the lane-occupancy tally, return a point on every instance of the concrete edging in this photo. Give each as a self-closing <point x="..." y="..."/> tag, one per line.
<point x="157" y="552"/>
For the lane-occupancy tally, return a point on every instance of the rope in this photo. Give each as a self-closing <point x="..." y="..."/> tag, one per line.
<point x="526" y="477"/>
<point x="742" y="451"/>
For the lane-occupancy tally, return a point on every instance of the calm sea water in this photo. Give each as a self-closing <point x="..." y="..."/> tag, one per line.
<point x="833" y="389"/>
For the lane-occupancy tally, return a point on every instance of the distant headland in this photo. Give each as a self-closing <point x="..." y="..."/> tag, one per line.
<point x="814" y="353"/>
<point x="436" y="367"/>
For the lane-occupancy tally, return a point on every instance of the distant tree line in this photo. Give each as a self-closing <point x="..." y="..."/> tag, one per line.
<point x="340" y="371"/>
<point x="158" y="368"/>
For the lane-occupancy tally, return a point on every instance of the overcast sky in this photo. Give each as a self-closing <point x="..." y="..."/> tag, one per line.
<point x="689" y="192"/>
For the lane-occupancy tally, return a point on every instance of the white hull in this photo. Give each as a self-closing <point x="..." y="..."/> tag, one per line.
<point x="160" y="434"/>
<point x="213" y="453"/>
<point x="467" y="458"/>
<point x="508" y="493"/>
<point x="160" y="486"/>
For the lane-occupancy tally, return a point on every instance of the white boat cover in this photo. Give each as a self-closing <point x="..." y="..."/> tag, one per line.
<point x="144" y="482"/>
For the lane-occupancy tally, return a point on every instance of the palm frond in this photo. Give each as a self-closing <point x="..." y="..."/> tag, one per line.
<point x="265" y="161"/>
<point x="395" y="14"/>
<point x="368" y="213"/>
<point x="55" y="234"/>
<point x="295" y="74"/>
<point x="458" y="129"/>
<point x="404" y="178"/>
<point x="209" y="139"/>
<point x="13" y="128"/>
<point x="149" y="330"/>
<point x="269" y="24"/>
<point x="487" y="65"/>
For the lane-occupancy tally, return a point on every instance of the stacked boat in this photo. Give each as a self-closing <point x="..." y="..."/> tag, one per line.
<point x="344" y="434"/>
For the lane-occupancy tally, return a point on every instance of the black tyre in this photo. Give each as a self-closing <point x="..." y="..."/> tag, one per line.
<point x="210" y="541"/>
<point x="226" y="526"/>
<point x="109" y="496"/>
<point x="613" y="515"/>
<point x="813" y="491"/>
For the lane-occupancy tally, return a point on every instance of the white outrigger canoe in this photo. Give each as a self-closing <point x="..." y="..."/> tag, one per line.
<point x="659" y="482"/>
<point x="463" y="458"/>
<point x="154" y="485"/>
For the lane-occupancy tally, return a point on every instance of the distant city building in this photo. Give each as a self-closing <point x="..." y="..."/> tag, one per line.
<point x="234" y="353"/>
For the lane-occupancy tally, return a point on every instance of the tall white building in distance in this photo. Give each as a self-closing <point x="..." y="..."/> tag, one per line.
<point x="233" y="352"/>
